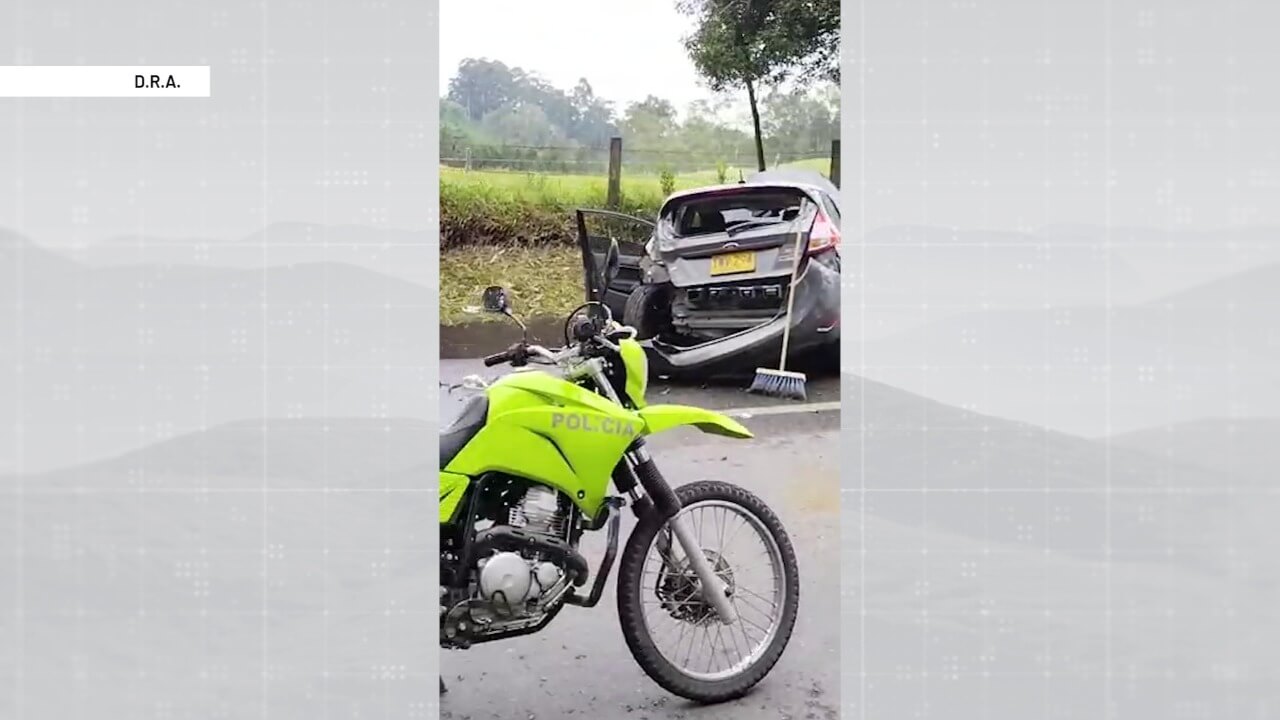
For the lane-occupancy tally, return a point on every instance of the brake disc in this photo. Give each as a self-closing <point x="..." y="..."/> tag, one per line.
<point x="680" y="591"/>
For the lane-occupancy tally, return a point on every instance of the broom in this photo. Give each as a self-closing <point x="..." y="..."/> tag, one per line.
<point x="782" y="383"/>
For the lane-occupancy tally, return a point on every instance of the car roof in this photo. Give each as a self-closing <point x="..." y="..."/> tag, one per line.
<point x="811" y="178"/>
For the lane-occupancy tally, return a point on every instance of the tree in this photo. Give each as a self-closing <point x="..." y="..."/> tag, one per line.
<point x="593" y="119"/>
<point x="526" y="122"/>
<point x="750" y="43"/>
<point x="482" y="86"/>
<point x="803" y="121"/>
<point x="456" y="130"/>
<point x="522" y="124"/>
<point x="652" y="121"/>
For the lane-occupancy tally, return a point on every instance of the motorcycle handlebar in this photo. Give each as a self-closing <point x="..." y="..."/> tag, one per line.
<point x="516" y="353"/>
<point x="521" y="353"/>
<point x="496" y="358"/>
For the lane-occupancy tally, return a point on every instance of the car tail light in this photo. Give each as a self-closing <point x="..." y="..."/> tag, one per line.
<point x="823" y="236"/>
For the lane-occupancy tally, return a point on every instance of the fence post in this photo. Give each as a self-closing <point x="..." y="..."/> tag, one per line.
<point x="835" y="163"/>
<point x="615" y="173"/>
<point x="467" y="166"/>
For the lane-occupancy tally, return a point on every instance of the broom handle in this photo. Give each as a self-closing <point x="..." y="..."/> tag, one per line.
<point x="791" y="298"/>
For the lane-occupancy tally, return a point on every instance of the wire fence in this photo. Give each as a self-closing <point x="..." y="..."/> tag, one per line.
<point x="564" y="160"/>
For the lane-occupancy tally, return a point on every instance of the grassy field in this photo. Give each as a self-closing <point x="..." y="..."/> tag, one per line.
<point x="544" y="281"/>
<point x="516" y="230"/>
<point x="559" y="191"/>
<point x="495" y="207"/>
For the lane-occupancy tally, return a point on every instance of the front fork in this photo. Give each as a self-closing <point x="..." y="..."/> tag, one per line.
<point x="714" y="589"/>
<point x="662" y="500"/>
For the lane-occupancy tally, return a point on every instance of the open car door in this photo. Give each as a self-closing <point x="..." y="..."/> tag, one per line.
<point x="596" y="228"/>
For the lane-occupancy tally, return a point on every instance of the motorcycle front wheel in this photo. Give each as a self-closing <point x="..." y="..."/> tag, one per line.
<point x="674" y="635"/>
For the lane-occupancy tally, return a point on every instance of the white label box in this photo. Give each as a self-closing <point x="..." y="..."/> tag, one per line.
<point x="104" y="81"/>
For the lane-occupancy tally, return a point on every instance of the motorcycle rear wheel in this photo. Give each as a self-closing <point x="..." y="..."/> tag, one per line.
<point x="673" y="586"/>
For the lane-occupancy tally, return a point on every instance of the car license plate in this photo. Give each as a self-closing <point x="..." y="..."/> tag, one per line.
<point x="733" y="263"/>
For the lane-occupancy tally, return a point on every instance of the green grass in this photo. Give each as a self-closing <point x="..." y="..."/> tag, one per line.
<point x="487" y="207"/>
<point x="543" y="281"/>
<point x="562" y="190"/>
<point x="536" y="186"/>
<point x="818" y="165"/>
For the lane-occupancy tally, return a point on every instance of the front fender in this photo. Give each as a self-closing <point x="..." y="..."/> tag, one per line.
<point x="660" y="418"/>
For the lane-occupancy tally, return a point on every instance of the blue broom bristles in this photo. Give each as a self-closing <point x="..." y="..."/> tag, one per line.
<point x="779" y="384"/>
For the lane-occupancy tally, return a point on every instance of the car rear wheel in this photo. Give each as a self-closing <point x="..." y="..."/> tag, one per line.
<point x="648" y="310"/>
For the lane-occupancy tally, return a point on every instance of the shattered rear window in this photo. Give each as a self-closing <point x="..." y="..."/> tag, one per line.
<point x="721" y="212"/>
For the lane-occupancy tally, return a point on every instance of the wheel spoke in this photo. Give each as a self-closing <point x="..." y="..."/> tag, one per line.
<point x="744" y="589"/>
<point x="713" y="657"/>
<point x="738" y="654"/>
<point x="682" y="625"/>
<point x="741" y="524"/>
<point x="724" y="515"/>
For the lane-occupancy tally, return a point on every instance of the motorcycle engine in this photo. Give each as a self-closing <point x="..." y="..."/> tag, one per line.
<point x="509" y="581"/>
<point x="539" y="511"/>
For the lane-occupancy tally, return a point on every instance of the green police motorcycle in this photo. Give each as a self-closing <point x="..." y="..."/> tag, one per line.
<point x="527" y="469"/>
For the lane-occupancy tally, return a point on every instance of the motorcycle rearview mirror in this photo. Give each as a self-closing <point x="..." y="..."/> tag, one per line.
<point x="496" y="299"/>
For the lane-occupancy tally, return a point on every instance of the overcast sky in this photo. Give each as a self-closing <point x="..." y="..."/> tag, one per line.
<point x="627" y="50"/>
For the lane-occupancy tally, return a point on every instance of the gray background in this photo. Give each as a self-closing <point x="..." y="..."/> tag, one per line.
<point x="217" y="371"/>
<point x="1062" y="365"/>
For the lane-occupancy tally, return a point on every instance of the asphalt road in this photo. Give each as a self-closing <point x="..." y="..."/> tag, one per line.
<point x="821" y="391"/>
<point x="580" y="667"/>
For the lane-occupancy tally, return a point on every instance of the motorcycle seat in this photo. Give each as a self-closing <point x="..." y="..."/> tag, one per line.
<point x="469" y="422"/>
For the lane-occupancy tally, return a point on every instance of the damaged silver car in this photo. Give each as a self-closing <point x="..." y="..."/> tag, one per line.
<point x="706" y="285"/>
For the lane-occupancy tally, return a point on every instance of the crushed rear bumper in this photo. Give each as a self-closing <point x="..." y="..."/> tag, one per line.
<point x="815" y="328"/>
